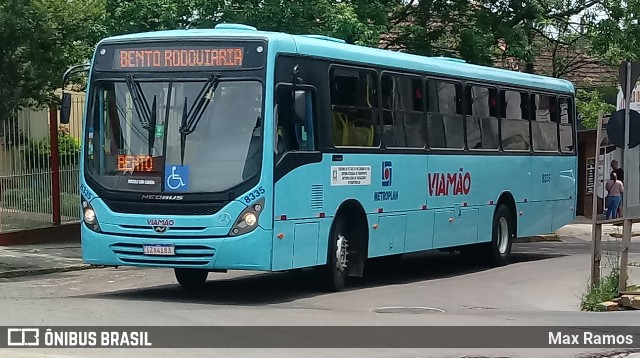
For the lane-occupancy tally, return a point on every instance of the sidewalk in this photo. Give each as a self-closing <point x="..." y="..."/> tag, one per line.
<point x="26" y="260"/>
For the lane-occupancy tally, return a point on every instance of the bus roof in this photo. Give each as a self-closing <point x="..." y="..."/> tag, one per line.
<point x="330" y="48"/>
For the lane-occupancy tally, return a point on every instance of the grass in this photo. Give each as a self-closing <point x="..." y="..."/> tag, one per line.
<point x="606" y="290"/>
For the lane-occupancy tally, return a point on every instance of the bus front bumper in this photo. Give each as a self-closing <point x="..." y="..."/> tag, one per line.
<point x="251" y="251"/>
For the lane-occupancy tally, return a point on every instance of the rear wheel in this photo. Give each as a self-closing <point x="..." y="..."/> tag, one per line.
<point x="191" y="278"/>
<point x="498" y="251"/>
<point x="335" y="271"/>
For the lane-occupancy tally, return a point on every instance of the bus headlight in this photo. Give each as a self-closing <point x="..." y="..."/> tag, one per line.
<point x="248" y="219"/>
<point x="89" y="216"/>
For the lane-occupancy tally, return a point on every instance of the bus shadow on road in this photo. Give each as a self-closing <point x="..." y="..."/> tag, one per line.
<point x="281" y="287"/>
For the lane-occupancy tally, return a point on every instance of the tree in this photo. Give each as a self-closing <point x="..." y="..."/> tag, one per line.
<point x="39" y="39"/>
<point x="522" y="29"/>
<point x="589" y="104"/>
<point x="615" y="35"/>
<point x="356" y="21"/>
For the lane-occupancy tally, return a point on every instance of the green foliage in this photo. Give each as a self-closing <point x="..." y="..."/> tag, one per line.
<point x="30" y="200"/>
<point x="38" y="153"/>
<point x="605" y="291"/>
<point x="589" y="104"/>
<point x="39" y="40"/>
<point x="356" y="21"/>
<point x="616" y="35"/>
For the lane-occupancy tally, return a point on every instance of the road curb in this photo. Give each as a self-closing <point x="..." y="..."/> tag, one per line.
<point x="539" y="238"/>
<point x="44" y="271"/>
<point x="66" y="233"/>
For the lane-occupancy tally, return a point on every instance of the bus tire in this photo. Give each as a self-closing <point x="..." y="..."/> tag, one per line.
<point x="498" y="250"/>
<point x="335" y="271"/>
<point x="191" y="278"/>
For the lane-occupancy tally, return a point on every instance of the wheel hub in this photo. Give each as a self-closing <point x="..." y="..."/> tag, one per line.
<point x="503" y="235"/>
<point x="341" y="253"/>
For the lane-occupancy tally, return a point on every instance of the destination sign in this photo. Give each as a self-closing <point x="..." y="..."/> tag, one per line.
<point x="179" y="58"/>
<point x="182" y="56"/>
<point x="135" y="163"/>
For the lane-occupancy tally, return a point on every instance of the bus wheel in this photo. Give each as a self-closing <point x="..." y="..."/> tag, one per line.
<point x="336" y="268"/>
<point x="191" y="278"/>
<point x="499" y="249"/>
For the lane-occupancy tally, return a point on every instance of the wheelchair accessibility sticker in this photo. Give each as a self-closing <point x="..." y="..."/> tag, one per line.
<point x="177" y="178"/>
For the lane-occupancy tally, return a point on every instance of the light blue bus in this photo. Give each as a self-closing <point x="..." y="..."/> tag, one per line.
<point x="236" y="149"/>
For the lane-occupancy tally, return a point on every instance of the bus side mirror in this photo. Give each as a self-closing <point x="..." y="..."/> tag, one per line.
<point x="300" y="107"/>
<point x="65" y="108"/>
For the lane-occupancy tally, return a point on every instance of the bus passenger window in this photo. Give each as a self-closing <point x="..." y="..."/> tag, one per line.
<point x="291" y="134"/>
<point x="566" y="125"/>
<point x="482" y="118"/>
<point x="354" y="108"/>
<point x="445" y="126"/>
<point x="544" y="129"/>
<point x="403" y="119"/>
<point x="514" y="122"/>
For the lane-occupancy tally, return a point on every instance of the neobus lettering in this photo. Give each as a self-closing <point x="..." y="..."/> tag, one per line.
<point x="441" y="184"/>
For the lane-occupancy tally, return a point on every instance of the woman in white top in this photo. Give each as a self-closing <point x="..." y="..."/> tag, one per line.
<point x="615" y="189"/>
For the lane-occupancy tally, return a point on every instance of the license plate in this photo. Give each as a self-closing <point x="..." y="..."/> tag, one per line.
<point x="159" y="249"/>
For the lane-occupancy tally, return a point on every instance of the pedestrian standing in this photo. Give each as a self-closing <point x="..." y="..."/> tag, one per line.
<point x="614" y="193"/>
<point x="615" y="168"/>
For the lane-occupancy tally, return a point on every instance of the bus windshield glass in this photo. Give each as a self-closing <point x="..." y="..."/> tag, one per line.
<point x="135" y="142"/>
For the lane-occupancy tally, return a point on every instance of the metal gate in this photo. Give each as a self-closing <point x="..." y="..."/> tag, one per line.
<point x="27" y="197"/>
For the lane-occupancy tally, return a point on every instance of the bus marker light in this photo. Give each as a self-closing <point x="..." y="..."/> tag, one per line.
<point x="283" y="217"/>
<point x="424" y="207"/>
<point x="450" y="220"/>
<point x="375" y="226"/>
<point x="490" y="202"/>
<point x="280" y="236"/>
<point x="521" y="213"/>
<point x="464" y="204"/>
<point x="525" y="200"/>
<point x="257" y="207"/>
<point x="321" y="215"/>
<point x="380" y="210"/>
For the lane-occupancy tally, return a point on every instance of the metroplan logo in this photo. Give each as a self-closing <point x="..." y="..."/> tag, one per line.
<point x="386" y="173"/>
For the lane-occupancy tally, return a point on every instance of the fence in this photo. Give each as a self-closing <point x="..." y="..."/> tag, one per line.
<point x="28" y="198"/>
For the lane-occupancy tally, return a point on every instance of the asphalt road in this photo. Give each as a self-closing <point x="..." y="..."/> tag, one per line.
<point x="542" y="286"/>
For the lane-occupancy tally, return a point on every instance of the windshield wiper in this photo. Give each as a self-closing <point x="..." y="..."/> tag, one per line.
<point x="146" y="116"/>
<point x="191" y="118"/>
<point x="152" y="126"/>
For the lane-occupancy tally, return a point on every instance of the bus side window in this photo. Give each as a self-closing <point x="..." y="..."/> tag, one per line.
<point x="445" y="126"/>
<point x="293" y="134"/>
<point x="402" y="111"/>
<point x="514" y="121"/>
<point x="354" y="105"/>
<point x="544" y="127"/>
<point x="566" y="125"/>
<point x="482" y="117"/>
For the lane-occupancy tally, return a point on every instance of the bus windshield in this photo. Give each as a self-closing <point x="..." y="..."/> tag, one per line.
<point x="135" y="141"/>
